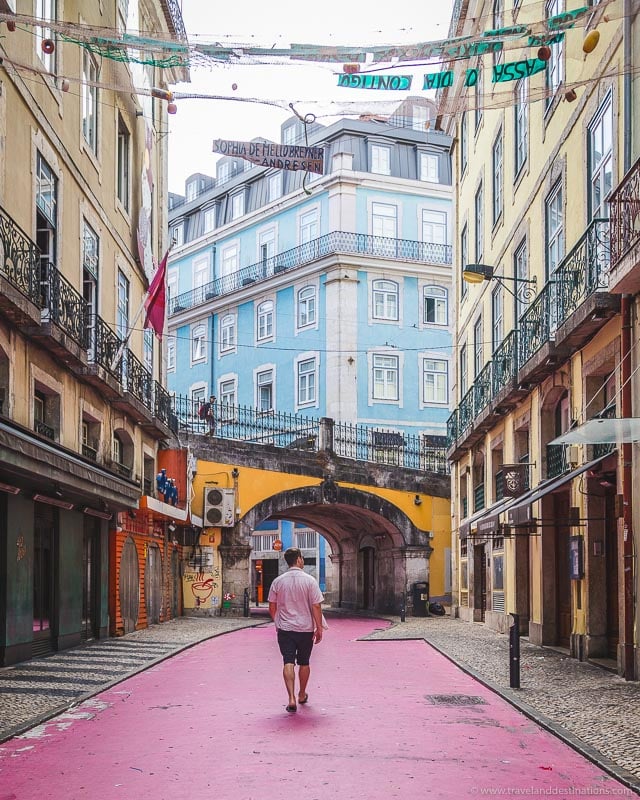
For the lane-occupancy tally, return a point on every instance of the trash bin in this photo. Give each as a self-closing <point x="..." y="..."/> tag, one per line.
<point x="420" y="594"/>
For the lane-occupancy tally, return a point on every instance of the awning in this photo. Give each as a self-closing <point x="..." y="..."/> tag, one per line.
<point x="167" y="511"/>
<point x="487" y="518"/>
<point x="549" y="486"/>
<point x="603" y="431"/>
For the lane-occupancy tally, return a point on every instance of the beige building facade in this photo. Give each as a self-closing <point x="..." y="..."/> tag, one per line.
<point x="83" y="166"/>
<point x="543" y="529"/>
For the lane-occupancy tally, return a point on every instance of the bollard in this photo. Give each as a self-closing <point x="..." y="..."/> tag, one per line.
<point x="514" y="652"/>
<point x="403" y="607"/>
<point x="245" y="609"/>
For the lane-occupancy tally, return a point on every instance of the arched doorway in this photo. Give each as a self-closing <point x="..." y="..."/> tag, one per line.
<point x="129" y="585"/>
<point x="153" y="584"/>
<point x="368" y="577"/>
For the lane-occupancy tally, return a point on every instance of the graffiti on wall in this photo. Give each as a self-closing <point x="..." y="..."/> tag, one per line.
<point x="202" y="589"/>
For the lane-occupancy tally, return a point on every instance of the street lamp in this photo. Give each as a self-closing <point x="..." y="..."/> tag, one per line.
<point x="477" y="273"/>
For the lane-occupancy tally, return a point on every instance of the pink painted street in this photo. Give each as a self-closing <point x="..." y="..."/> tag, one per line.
<point x="385" y="719"/>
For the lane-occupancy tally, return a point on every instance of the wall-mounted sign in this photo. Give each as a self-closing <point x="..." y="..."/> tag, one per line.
<point x="366" y="81"/>
<point x="576" y="558"/>
<point x="280" y="156"/>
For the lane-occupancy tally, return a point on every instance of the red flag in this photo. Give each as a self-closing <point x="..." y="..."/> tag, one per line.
<point x="155" y="304"/>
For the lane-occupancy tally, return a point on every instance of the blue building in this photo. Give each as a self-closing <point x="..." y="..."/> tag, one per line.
<point x="321" y="295"/>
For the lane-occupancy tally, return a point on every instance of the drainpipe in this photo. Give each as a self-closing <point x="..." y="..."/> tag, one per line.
<point x="627" y="493"/>
<point x="626" y="86"/>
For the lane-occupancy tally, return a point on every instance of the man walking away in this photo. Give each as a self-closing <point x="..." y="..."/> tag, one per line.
<point x="295" y="605"/>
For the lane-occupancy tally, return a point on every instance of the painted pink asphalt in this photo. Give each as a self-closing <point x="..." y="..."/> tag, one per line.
<point x="210" y="723"/>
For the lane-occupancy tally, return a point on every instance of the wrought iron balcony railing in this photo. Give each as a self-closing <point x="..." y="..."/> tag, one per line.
<point x="624" y="205"/>
<point x="162" y="404"/>
<point x="557" y="463"/>
<point x="536" y="324"/>
<point x="137" y="379"/>
<point x="43" y="429"/>
<point x="103" y="346"/>
<point x="482" y="389"/>
<point x="466" y="413"/>
<point x="62" y="304"/>
<point x="584" y="270"/>
<point x="19" y="259"/>
<point x="176" y="17"/>
<point x="505" y="363"/>
<point x="499" y="484"/>
<point x="604" y="448"/>
<point x="89" y="452"/>
<point x="452" y="428"/>
<point x="478" y="497"/>
<point x="338" y="242"/>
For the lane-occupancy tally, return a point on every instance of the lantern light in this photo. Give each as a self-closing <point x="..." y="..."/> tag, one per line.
<point x="48" y="46"/>
<point x="544" y="52"/>
<point x="172" y="108"/>
<point x="591" y="41"/>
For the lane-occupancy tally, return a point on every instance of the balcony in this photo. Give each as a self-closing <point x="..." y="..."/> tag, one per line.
<point x="331" y="244"/>
<point x="624" y="204"/>
<point x="136" y="399"/>
<point x="557" y="463"/>
<point x="19" y="274"/>
<point x="162" y="420"/>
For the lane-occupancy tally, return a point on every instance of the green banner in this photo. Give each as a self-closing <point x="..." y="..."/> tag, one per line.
<point x="368" y="81"/>
<point x="515" y="70"/>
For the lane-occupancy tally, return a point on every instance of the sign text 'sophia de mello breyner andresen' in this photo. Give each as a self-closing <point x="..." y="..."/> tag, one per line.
<point x="280" y="156"/>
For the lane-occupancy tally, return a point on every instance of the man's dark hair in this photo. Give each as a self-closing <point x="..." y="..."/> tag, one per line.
<point x="291" y="555"/>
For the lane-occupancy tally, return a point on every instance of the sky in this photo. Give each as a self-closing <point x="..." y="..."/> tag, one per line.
<point x="312" y="88"/>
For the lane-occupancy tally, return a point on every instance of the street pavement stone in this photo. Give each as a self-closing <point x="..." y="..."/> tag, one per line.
<point x="591" y="708"/>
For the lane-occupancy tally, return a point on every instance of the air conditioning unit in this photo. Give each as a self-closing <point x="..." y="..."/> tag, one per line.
<point x="219" y="507"/>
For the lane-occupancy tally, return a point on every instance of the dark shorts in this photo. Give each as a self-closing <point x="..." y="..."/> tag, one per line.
<point x="295" y="646"/>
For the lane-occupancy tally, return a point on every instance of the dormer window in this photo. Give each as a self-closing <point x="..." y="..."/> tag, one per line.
<point x="237" y="205"/>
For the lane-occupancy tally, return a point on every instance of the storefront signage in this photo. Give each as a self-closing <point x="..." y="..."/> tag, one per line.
<point x="267" y="154"/>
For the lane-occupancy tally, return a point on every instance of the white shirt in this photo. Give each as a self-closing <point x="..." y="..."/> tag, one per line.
<point x="294" y="593"/>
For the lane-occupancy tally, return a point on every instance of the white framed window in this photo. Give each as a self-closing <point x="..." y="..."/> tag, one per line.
<point x="385" y="300"/>
<point x="308" y="226"/>
<point x="223" y="173"/>
<point x="171" y="354"/>
<point x="434" y="226"/>
<point x="237" y="205"/>
<point x="46" y="10"/>
<point x="122" y="311"/>
<point x="464" y="142"/>
<point x="227" y="396"/>
<point x="497" y="177"/>
<point x="123" y="164"/>
<point x="306" y="307"/>
<point x="147" y="342"/>
<point x="177" y="234"/>
<point x="201" y="271"/>
<point x="521" y="271"/>
<point x="497" y="318"/>
<point x="123" y="11"/>
<point x="90" y="100"/>
<point x="227" y="333"/>
<point x="464" y="380"/>
<point x="172" y="288"/>
<point x="90" y="249"/>
<point x="521" y="125"/>
<point x="306" y="539"/>
<point x="267" y="249"/>
<point x="435" y="311"/>
<point x="192" y="191"/>
<point x="429" y="167"/>
<point x="420" y="118"/>
<point x="435" y="381"/>
<point x="264" y="321"/>
<point x="307" y="380"/>
<point x="230" y="259"/>
<point x="464" y="257"/>
<point x="554" y="73"/>
<point x="497" y="22"/>
<point x="274" y="186"/>
<point x="198" y="343"/>
<point x="554" y="229"/>
<point x="209" y="219"/>
<point x="478" y="98"/>
<point x="385" y="377"/>
<point x="478" y="348"/>
<point x="600" y="160"/>
<point x="384" y="220"/>
<point x="289" y="134"/>
<point x="479" y="223"/>
<point x="265" y="389"/>
<point x="380" y="159"/>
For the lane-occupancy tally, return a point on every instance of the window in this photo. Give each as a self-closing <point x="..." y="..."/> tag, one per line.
<point x="464" y="143"/>
<point x="420" y="118"/>
<point x="209" y="219"/>
<point x="46" y="11"/>
<point x="435" y="380"/>
<point x="192" y="191"/>
<point x="274" y="186"/>
<point x="264" y="325"/>
<point x="264" y="390"/>
<point x="479" y="222"/>
<point x="90" y="249"/>
<point x="497" y="317"/>
<point x="521" y="271"/>
<point x="497" y="23"/>
<point x="554" y="73"/>
<point x="147" y="344"/>
<point x="224" y="172"/>
<point x="464" y="258"/>
<point x="385" y="300"/>
<point x="429" y="167"/>
<point x="521" y="125"/>
<point x="434" y="227"/>
<point x="380" y="159"/>
<point x="117" y="449"/>
<point x="124" y="156"/>
<point x="435" y="305"/>
<point x="172" y="289"/>
<point x="267" y="249"/>
<point x="600" y="155"/>
<point x="90" y="100"/>
<point x="384" y="220"/>
<point x="200" y="272"/>
<point x="227" y="395"/>
<point x="230" y="259"/>
<point x="177" y="234"/>
<point x="477" y="347"/>
<point x="308" y="226"/>
<point x="122" y="312"/>
<point x="289" y="134"/>
<point x="171" y="354"/>
<point x="306" y="306"/>
<point x="306" y="540"/>
<point x="227" y="332"/>
<point x="497" y="179"/>
<point x="237" y="205"/>
<point x="198" y="343"/>
<point x="306" y="381"/>
<point x="123" y="11"/>
<point x="464" y="380"/>
<point x="385" y="377"/>
<point x="554" y="230"/>
<point x="477" y="97"/>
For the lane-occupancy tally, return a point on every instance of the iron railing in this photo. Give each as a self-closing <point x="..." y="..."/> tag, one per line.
<point x="499" y="484"/>
<point x="584" y="270"/>
<point x="103" y="346"/>
<point x="176" y="17"/>
<point x="602" y="449"/>
<point x="557" y="463"/>
<point x="466" y="413"/>
<point x="62" y="304"/>
<point x="452" y="428"/>
<point x="19" y="259"/>
<point x="43" y="429"/>
<point x="482" y="389"/>
<point x="505" y="363"/>
<point x="535" y="324"/>
<point x="624" y="205"/>
<point x="137" y="379"/>
<point x="89" y="452"/>
<point x="478" y="497"/>
<point x="338" y="242"/>
<point x="162" y="404"/>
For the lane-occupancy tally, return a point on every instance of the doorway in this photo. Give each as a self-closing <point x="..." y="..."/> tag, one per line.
<point x="153" y="584"/>
<point x="90" y="579"/>
<point x="611" y="576"/>
<point x="479" y="583"/>
<point x="368" y="577"/>
<point x="129" y="586"/>
<point x="44" y="596"/>
<point x="563" y="579"/>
